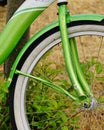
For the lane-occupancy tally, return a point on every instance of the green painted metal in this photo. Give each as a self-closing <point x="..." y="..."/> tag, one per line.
<point x="78" y="70"/>
<point x="49" y="84"/>
<point x="45" y="29"/>
<point x="14" y="30"/>
<point x="81" y="17"/>
<point x="16" y="27"/>
<point x="67" y="51"/>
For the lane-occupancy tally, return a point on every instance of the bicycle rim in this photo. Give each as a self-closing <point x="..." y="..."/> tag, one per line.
<point x="37" y="106"/>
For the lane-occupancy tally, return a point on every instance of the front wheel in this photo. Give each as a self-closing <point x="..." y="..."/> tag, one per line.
<point x="36" y="106"/>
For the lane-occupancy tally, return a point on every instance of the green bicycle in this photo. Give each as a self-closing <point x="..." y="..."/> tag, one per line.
<point x="57" y="79"/>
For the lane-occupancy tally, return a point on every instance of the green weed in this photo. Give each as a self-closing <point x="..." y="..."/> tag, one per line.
<point x="49" y="109"/>
<point x="4" y="110"/>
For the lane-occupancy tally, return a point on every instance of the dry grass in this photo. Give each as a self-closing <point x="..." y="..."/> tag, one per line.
<point x="76" y="7"/>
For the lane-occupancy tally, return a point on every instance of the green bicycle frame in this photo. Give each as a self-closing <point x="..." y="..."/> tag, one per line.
<point x="68" y="53"/>
<point x="29" y="16"/>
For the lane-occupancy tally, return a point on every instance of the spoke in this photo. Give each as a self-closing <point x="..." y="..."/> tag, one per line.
<point x="101" y="104"/>
<point x="90" y="47"/>
<point x="83" y="51"/>
<point x="98" y="57"/>
<point x="76" y="116"/>
<point x="71" y="117"/>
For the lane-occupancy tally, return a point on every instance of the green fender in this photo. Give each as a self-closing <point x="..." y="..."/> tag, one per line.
<point x="92" y="17"/>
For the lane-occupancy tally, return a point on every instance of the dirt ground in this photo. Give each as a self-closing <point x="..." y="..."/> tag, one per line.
<point x="76" y="7"/>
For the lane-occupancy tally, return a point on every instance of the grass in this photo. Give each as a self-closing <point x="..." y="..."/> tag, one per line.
<point x="4" y="110"/>
<point x="54" y="110"/>
<point x="46" y="107"/>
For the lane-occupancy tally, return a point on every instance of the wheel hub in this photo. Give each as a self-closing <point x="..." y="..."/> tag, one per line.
<point x="92" y="106"/>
